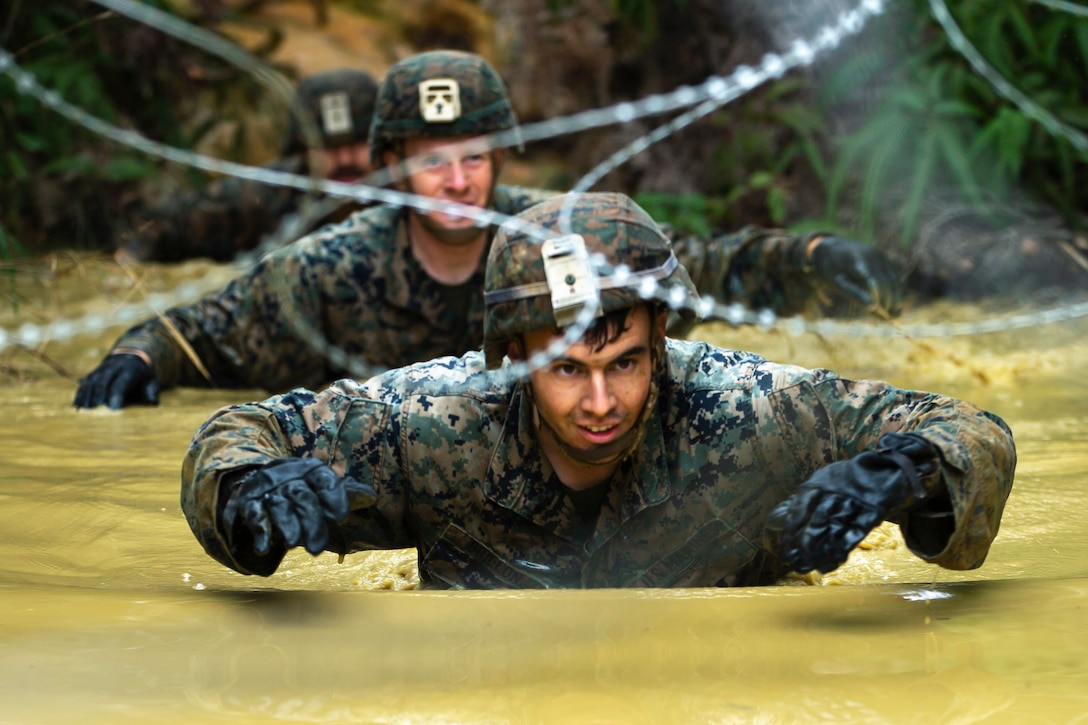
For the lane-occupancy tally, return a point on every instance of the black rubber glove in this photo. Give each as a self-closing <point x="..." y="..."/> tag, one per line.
<point x="121" y="379"/>
<point x="287" y="503"/>
<point x="856" y="274"/>
<point x="831" y="512"/>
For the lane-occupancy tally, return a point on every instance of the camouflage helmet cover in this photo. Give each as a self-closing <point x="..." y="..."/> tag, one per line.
<point x="441" y="93"/>
<point x="340" y="102"/>
<point x="515" y="283"/>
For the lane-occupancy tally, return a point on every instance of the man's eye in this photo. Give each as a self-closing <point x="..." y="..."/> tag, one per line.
<point x="475" y="159"/>
<point x="432" y="162"/>
<point x="565" y="370"/>
<point x="626" y="364"/>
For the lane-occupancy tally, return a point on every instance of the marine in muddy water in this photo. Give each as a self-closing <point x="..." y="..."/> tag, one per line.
<point x="391" y="286"/>
<point x="630" y="460"/>
<point x="233" y="215"/>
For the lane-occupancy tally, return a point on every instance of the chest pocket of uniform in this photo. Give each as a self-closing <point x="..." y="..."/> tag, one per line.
<point x="458" y="561"/>
<point x="714" y="553"/>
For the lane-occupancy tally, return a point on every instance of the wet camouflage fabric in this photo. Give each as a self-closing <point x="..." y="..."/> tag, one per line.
<point x="484" y="104"/>
<point x="231" y="216"/>
<point x="358" y="285"/>
<point x="759" y="268"/>
<point x="459" y="476"/>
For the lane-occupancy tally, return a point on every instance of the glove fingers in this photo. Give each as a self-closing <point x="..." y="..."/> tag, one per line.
<point x="329" y="489"/>
<point x="284" y="516"/>
<point x="293" y="499"/>
<point x="119" y="389"/>
<point x="791" y="517"/>
<point x="151" y="391"/>
<point x="308" y="515"/>
<point x="100" y="385"/>
<point x="256" y="520"/>
<point x="830" y="548"/>
<point x="845" y="532"/>
<point x="812" y="537"/>
<point x="858" y="289"/>
<point x="82" y="394"/>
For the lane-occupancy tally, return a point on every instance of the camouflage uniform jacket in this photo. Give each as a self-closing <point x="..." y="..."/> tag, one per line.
<point x="357" y="285"/>
<point x="231" y="216"/>
<point x="451" y="453"/>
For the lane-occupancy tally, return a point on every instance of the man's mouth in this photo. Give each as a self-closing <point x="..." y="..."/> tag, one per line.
<point x="599" y="434"/>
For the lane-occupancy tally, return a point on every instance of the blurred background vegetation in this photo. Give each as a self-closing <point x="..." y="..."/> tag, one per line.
<point x="877" y="139"/>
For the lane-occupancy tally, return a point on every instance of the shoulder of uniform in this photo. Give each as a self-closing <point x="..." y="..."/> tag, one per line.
<point x="515" y="199"/>
<point x="695" y="364"/>
<point x="463" y="377"/>
<point x="374" y="228"/>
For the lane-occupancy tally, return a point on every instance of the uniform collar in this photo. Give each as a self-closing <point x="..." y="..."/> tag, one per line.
<point x="407" y="284"/>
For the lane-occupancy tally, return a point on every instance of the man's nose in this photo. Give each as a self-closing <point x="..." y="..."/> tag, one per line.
<point x="456" y="177"/>
<point x="599" y="400"/>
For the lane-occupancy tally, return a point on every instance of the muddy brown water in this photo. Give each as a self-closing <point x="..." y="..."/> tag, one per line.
<point x="111" y="612"/>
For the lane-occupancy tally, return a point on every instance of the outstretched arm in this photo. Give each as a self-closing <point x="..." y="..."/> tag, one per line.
<point x="939" y="467"/>
<point x="791" y="274"/>
<point x="315" y="470"/>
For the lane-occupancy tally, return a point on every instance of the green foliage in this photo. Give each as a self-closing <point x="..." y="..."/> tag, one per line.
<point x="764" y="143"/>
<point x="939" y="126"/>
<point x="61" y="184"/>
<point x="67" y="47"/>
<point x="687" y="213"/>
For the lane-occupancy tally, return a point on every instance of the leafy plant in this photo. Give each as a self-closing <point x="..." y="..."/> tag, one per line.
<point x="940" y="126"/>
<point x="687" y="213"/>
<point x="59" y="183"/>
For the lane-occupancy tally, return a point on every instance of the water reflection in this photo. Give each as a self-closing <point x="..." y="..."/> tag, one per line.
<point x="112" y="612"/>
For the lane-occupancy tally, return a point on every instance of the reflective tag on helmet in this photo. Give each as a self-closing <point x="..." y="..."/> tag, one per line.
<point x="335" y="113"/>
<point x="570" y="277"/>
<point x="440" y="100"/>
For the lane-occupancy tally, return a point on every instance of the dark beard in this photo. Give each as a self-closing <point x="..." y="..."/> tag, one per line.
<point x="346" y="174"/>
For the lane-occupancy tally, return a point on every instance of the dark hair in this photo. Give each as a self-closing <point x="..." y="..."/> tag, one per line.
<point x="607" y="329"/>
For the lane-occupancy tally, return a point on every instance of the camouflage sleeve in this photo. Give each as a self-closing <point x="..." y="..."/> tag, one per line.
<point x="245" y="335"/>
<point x="758" y="268"/>
<point x="978" y="458"/>
<point x="354" y="435"/>
<point x="231" y="216"/>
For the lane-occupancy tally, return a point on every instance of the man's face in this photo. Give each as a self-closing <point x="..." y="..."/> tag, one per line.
<point x="347" y="162"/>
<point x="591" y="397"/>
<point x="439" y="170"/>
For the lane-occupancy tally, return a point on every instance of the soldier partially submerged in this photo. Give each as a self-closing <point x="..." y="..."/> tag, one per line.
<point x="629" y="460"/>
<point x="233" y="215"/>
<point x="392" y="286"/>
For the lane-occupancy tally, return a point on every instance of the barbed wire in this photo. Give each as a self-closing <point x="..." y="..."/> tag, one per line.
<point x="1066" y="7"/>
<point x="1003" y="87"/>
<point x="699" y="101"/>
